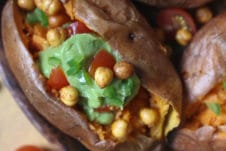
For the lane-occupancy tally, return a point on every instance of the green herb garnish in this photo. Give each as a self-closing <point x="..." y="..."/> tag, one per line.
<point x="215" y="107"/>
<point x="37" y="16"/>
<point x="114" y="102"/>
<point x="84" y="77"/>
<point x="54" y="61"/>
<point x="72" y="71"/>
<point x="127" y="87"/>
<point x="224" y="85"/>
<point x="110" y="92"/>
<point x="74" y="67"/>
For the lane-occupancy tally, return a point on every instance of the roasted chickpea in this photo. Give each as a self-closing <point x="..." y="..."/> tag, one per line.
<point x="51" y="7"/>
<point x="64" y="1"/>
<point x="39" y="43"/>
<point x="56" y="36"/>
<point x="58" y="20"/>
<point x="103" y="76"/>
<point x="40" y="30"/>
<point x="26" y="4"/>
<point x="123" y="70"/>
<point x="69" y="95"/>
<point x="183" y="36"/>
<point x="119" y="129"/>
<point x="38" y="3"/>
<point x="148" y="116"/>
<point x="203" y="15"/>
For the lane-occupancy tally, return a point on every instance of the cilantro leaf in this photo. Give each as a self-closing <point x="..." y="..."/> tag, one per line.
<point x="224" y="85"/>
<point x="215" y="107"/>
<point x="37" y="16"/>
<point x="53" y="61"/>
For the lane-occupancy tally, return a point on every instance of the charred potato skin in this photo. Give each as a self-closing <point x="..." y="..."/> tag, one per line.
<point x="177" y="3"/>
<point x="203" y="66"/>
<point x="25" y="70"/>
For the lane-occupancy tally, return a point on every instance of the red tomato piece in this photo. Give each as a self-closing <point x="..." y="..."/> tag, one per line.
<point x="29" y="148"/>
<point x="103" y="59"/>
<point x="77" y="27"/>
<point x="172" y="19"/>
<point x="57" y="79"/>
<point x="81" y="28"/>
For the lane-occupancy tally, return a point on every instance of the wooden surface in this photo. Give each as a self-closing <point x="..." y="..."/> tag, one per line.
<point x="15" y="129"/>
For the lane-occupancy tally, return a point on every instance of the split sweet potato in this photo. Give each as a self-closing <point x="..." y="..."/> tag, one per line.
<point x="203" y="70"/>
<point x="127" y="32"/>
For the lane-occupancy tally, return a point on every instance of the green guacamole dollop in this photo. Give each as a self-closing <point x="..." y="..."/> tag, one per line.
<point x="74" y="56"/>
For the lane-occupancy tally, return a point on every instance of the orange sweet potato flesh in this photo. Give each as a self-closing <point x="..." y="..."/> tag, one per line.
<point x="203" y="67"/>
<point x="176" y="3"/>
<point x="142" y="50"/>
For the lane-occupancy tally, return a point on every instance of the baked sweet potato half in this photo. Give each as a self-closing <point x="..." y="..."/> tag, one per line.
<point x="70" y="62"/>
<point x="203" y="70"/>
<point x="177" y="3"/>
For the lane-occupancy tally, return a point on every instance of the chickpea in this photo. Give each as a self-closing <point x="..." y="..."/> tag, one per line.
<point x="26" y="4"/>
<point x="148" y="116"/>
<point x="119" y="129"/>
<point x="39" y="3"/>
<point x="103" y="76"/>
<point x="64" y="1"/>
<point x="40" y="30"/>
<point x="203" y="15"/>
<point x="51" y="7"/>
<point x="58" y="20"/>
<point x="39" y="43"/>
<point x="183" y="36"/>
<point x="56" y="36"/>
<point x="69" y="95"/>
<point x="123" y="70"/>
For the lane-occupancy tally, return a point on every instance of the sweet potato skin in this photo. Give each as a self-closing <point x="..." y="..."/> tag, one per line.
<point x="68" y="120"/>
<point x="203" y="63"/>
<point x="203" y="67"/>
<point x="202" y="139"/>
<point x="176" y="3"/>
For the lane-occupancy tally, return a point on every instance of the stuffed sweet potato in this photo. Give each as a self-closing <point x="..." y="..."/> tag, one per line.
<point x="94" y="70"/>
<point x="178" y="3"/>
<point x="203" y="70"/>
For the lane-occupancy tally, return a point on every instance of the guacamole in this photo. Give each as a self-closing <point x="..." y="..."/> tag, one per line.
<point x="74" y="56"/>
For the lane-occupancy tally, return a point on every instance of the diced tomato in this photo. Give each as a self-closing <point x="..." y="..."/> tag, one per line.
<point x="102" y="58"/>
<point x="29" y="148"/>
<point x="81" y="28"/>
<point x="57" y="79"/>
<point x="77" y="27"/>
<point x="172" y="19"/>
